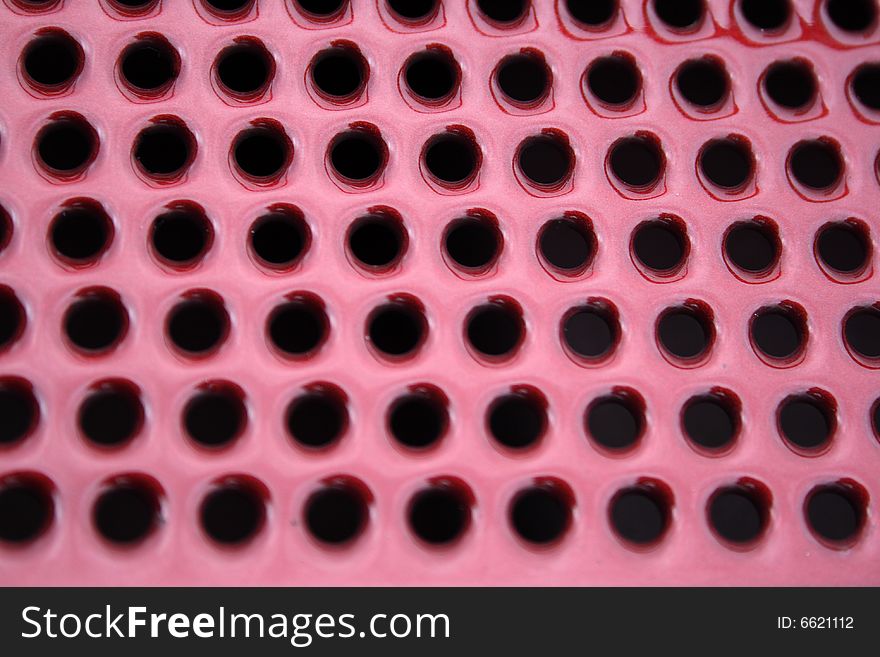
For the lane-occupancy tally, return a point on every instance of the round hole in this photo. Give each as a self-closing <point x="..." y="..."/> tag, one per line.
<point x="567" y="245"/>
<point x="96" y="322"/>
<point x="324" y="10"/>
<point x="541" y="513"/>
<point x="280" y="238"/>
<point x="660" y="246"/>
<point x="452" y="158"/>
<point x="182" y="235"/>
<point x="198" y="324"/>
<point x="81" y="232"/>
<point x="19" y="409"/>
<point x="318" y="417"/>
<point x="727" y="163"/>
<point x="215" y="415"/>
<point x="504" y="12"/>
<point x="640" y="514"/>
<point x="866" y="85"/>
<point x="686" y="333"/>
<point x="244" y="70"/>
<point x="337" y="513"/>
<point x="843" y="247"/>
<point x="637" y="162"/>
<point x="835" y="513"/>
<point x="358" y="156"/>
<point x="852" y="15"/>
<point x="298" y="327"/>
<point x="420" y="418"/>
<point x="262" y="153"/>
<point x="441" y="513"/>
<point x="229" y="8"/>
<point x="615" y="80"/>
<point x="861" y="330"/>
<point x="766" y="15"/>
<point x="739" y="514"/>
<point x="112" y="414"/>
<point x="127" y="511"/>
<point x="66" y="145"/>
<point x="525" y="78"/>
<point x="473" y="243"/>
<point x="807" y="421"/>
<point x="703" y="82"/>
<point x="816" y="164"/>
<point x="432" y="75"/>
<point x="52" y="60"/>
<point x="616" y="421"/>
<point x="339" y="73"/>
<point x="12" y="318"/>
<point x="414" y="10"/>
<point x="545" y="160"/>
<point x="791" y="84"/>
<point x="591" y="332"/>
<point x="680" y="15"/>
<point x="377" y="241"/>
<point x="496" y="329"/>
<point x="752" y="246"/>
<point x="779" y="333"/>
<point x="397" y="329"/>
<point x="149" y="65"/>
<point x="164" y="150"/>
<point x="712" y="421"/>
<point x="26" y="508"/>
<point x="518" y="420"/>
<point x="593" y="13"/>
<point x="234" y="512"/>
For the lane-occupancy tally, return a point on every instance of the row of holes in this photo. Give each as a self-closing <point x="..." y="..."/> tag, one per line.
<point x="682" y="17"/>
<point x="216" y="416"/>
<point x="131" y="507"/>
<point x="243" y="72"/>
<point x="544" y="163"/>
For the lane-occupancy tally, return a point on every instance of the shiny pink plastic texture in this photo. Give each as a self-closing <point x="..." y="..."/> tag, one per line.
<point x="490" y="553"/>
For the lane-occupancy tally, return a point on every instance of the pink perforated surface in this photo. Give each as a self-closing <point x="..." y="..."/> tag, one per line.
<point x="489" y="552"/>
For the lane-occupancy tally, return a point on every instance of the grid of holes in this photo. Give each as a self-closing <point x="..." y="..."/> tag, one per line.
<point x="260" y="155"/>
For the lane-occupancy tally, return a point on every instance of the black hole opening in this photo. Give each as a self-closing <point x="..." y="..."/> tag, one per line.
<point x="615" y="80"/>
<point x="524" y="78"/>
<point x="12" y="318"/>
<point x="451" y="157"/>
<point x="198" y="325"/>
<point x="616" y="421"/>
<point x="26" y="509"/>
<point x="495" y="329"/>
<point x="164" y="149"/>
<point x="19" y="409"/>
<point x="439" y="515"/>
<point x="660" y="245"/>
<point x="473" y="242"/>
<point x="111" y="415"/>
<point x="591" y="332"/>
<point x="727" y="163"/>
<point x="866" y="85"/>
<point x="680" y="14"/>
<point x="806" y="421"/>
<point x="317" y="418"/>
<point x="81" y="233"/>
<point x="96" y="322"/>
<point x="852" y="15"/>
<point x="67" y="145"/>
<point x="419" y="419"/>
<point x="778" y="332"/>
<point x="876" y="418"/>
<point x="127" y="512"/>
<point x="703" y="82"/>
<point x="336" y="514"/>
<point x="397" y="328"/>
<point x="413" y="10"/>
<point x="52" y="59"/>
<point x="862" y="332"/>
<point x="593" y="13"/>
<point x="298" y="327"/>
<point x="377" y="241"/>
<point x="835" y="513"/>
<point x="567" y="245"/>
<point x="279" y="238"/>
<point x="816" y="164"/>
<point x="843" y="248"/>
<point x="541" y="514"/>
<point x="244" y="69"/>
<point x="685" y="333"/>
<point x="518" y="420"/>
<point x="181" y="236"/>
<point x="150" y="64"/>
<point x="339" y="72"/>
<point x="791" y="84"/>
<point x="637" y="162"/>
<point x="322" y="8"/>
<point x="503" y="11"/>
<point x="640" y="515"/>
<point x="711" y="421"/>
<point x="215" y="416"/>
<point x="357" y="155"/>
<point x="432" y="75"/>
<point x="229" y="6"/>
<point x="767" y="15"/>
<point x="738" y="514"/>
<point x="233" y="513"/>
<point x="261" y="152"/>
<point x="546" y="161"/>
<point x="752" y="247"/>
<point x="5" y="228"/>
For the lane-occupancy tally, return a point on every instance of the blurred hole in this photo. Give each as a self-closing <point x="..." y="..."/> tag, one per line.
<point x="198" y="324"/>
<point x="419" y="419"/>
<point x="112" y="414"/>
<point x="495" y="329"/>
<point x="318" y="417"/>
<point x="182" y="235"/>
<point x="96" y="321"/>
<point x="616" y="421"/>
<point x="298" y="327"/>
<point x="337" y="513"/>
<point x="215" y="415"/>
<point x="518" y="420"/>
<point x="541" y="514"/>
<point x="234" y="512"/>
